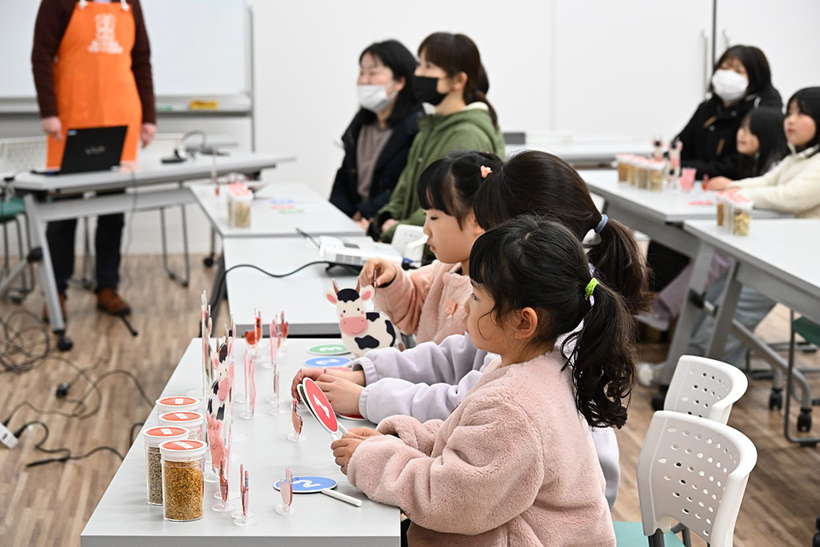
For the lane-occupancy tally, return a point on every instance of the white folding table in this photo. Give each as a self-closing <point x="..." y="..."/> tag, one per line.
<point x="84" y="194"/>
<point x="123" y="517"/>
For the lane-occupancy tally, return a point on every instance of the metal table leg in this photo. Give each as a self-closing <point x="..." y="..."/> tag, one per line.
<point x="47" y="279"/>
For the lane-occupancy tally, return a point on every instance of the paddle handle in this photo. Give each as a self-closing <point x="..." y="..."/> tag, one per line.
<point x="342" y="497"/>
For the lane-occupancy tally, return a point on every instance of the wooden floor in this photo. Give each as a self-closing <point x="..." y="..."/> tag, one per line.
<point x="49" y="505"/>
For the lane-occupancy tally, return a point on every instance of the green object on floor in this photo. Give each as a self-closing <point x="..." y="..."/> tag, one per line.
<point x="807" y="329"/>
<point x="630" y="534"/>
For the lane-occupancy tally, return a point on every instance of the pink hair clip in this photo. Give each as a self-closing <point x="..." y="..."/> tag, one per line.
<point x="485" y="171"/>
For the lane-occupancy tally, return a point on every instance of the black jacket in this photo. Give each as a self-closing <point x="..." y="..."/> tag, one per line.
<point x="710" y="138"/>
<point x="389" y="166"/>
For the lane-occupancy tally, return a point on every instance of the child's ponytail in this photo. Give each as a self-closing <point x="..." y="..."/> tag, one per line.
<point x="537" y="263"/>
<point x="603" y="367"/>
<point x="618" y="260"/>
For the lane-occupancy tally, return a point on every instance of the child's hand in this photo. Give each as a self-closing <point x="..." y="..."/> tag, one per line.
<point x="718" y="183"/>
<point x="342" y="394"/>
<point x="362" y="433"/>
<point x="312" y="373"/>
<point x="389" y="223"/>
<point x="378" y="272"/>
<point x="343" y="450"/>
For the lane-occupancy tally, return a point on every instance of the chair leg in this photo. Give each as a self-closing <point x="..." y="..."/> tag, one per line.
<point x="25" y="288"/>
<point x="656" y="539"/>
<point x="87" y="280"/>
<point x="171" y="273"/>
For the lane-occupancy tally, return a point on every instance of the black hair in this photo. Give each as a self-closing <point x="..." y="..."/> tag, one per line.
<point x="458" y="53"/>
<point x="401" y="62"/>
<point x="450" y="184"/>
<point x="754" y="61"/>
<point x="538" y="263"/>
<point x="765" y="123"/>
<point x="541" y="183"/>
<point x="808" y="102"/>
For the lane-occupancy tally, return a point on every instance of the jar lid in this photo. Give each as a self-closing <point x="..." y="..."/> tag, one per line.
<point x="186" y="419"/>
<point x="157" y="435"/>
<point x="178" y="401"/>
<point x="182" y="450"/>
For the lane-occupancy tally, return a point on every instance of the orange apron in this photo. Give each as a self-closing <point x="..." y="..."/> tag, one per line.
<point x="93" y="81"/>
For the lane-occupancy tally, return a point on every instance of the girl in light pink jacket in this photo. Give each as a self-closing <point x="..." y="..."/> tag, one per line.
<point x="429" y="301"/>
<point x="514" y="464"/>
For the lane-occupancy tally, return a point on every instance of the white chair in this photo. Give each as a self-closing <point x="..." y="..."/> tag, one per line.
<point x="705" y="388"/>
<point x="694" y="471"/>
<point x="16" y="156"/>
<point x="409" y="241"/>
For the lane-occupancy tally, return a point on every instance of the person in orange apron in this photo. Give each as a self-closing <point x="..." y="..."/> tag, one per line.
<point x="92" y="68"/>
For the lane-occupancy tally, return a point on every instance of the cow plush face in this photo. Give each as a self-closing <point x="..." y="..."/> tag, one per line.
<point x="350" y="307"/>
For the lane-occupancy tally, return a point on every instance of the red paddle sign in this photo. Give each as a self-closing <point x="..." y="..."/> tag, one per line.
<point x="321" y="408"/>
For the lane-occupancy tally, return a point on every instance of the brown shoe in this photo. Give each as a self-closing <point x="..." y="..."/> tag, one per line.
<point x="62" y="309"/>
<point x="110" y="302"/>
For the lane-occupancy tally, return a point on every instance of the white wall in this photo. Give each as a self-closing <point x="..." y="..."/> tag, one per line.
<point x="631" y="68"/>
<point x="307" y="63"/>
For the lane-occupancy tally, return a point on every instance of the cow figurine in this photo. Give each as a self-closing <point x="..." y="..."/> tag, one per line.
<point x="673" y="169"/>
<point x="362" y="330"/>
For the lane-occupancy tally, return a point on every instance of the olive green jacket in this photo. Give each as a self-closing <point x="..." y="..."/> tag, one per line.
<point x="469" y="129"/>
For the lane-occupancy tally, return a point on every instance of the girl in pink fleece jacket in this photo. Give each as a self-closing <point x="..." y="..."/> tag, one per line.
<point x="514" y="464"/>
<point x="429" y="302"/>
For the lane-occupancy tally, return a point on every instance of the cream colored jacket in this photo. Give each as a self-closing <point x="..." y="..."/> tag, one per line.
<point x="791" y="187"/>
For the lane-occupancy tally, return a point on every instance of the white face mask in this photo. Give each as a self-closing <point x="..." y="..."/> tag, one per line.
<point x="374" y="97"/>
<point x="729" y="85"/>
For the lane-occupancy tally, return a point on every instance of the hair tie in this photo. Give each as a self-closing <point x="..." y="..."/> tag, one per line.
<point x="590" y="288"/>
<point x="601" y="224"/>
<point x="485" y="171"/>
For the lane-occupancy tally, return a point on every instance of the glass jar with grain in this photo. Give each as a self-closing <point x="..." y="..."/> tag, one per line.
<point x="183" y="482"/>
<point x="153" y="461"/>
<point x="192" y="421"/>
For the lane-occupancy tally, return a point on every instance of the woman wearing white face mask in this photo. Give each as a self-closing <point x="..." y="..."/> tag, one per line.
<point x="378" y="139"/>
<point x="742" y="81"/>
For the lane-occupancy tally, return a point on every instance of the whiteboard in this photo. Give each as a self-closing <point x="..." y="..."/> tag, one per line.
<point x="198" y="47"/>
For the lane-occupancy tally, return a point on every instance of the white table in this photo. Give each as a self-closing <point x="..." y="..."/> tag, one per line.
<point x="123" y="517"/>
<point x="145" y="172"/>
<point x="301" y="295"/>
<point x="659" y="215"/>
<point x="278" y="209"/>
<point x="586" y="150"/>
<point x="777" y="259"/>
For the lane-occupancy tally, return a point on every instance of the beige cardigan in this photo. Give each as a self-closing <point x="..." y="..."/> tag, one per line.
<point x="514" y="464"/>
<point x="791" y="187"/>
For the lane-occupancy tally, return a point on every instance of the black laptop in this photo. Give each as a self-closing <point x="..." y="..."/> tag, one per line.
<point x="92" y="149"/>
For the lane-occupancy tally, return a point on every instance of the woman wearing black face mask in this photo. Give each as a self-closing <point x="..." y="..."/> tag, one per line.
<point x="379" y="137"/>
<point x="451" y="80"/>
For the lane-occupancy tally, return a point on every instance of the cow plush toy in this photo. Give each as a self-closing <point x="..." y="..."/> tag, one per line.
<point x="362" y="330"/>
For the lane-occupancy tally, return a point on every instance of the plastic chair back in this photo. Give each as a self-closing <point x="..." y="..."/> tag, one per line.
<point x="705" y="388"/>
<point x="694" y="471"/>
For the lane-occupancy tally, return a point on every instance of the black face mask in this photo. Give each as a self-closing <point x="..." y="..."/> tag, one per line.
<point x="424" y="88"/>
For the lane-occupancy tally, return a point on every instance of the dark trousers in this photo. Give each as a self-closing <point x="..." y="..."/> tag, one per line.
<point x="107" y="242"/>
<point x="666" y="264"/>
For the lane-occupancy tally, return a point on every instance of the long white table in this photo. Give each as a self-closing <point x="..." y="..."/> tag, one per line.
<point x="776" y="259"/>
<point x="277" y="211"/>
<point x="301" y="295"/>
<point x="585" y="150"/>
<point x="123" y="517"/>
<point x="660" y="215"/>
<point x="144" y="173"/>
